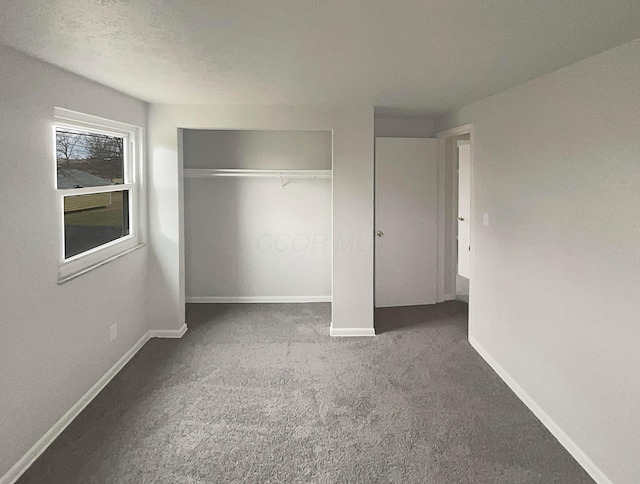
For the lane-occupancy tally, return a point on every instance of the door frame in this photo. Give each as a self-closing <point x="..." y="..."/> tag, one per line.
<point x="456" y="209"/>
<point x="447" y="190"/>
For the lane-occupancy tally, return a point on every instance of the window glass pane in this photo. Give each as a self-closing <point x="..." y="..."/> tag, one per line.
<point x="93" y="220"/>
<point x="88" y="159"/>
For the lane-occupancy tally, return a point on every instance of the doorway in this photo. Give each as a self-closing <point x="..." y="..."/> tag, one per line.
<point x="463" y="225"/>
<point x="456" y="214"/>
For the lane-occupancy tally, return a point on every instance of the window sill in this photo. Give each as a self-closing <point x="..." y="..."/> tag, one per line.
<point x="63" y="278"/>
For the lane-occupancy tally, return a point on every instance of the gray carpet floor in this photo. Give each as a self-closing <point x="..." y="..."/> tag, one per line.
<point x="261" y="393"/>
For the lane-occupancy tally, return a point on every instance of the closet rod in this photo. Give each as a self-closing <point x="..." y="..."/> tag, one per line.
<point x="247" y="173"/>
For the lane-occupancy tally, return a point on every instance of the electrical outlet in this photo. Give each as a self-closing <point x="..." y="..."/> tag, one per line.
<point x="485" y="220"/>
<point x="113" y="333"/>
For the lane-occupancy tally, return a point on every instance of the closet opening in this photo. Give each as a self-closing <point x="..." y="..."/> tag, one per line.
<point x="257" y="217"/>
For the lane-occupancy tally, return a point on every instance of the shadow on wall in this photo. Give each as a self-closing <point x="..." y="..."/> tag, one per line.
<point x="158" y="280"/>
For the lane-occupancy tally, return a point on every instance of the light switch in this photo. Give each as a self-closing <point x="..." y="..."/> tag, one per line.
<point x="485" y="219"/>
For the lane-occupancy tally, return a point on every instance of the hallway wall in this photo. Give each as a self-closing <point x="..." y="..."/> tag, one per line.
<point x="403" y="127"/>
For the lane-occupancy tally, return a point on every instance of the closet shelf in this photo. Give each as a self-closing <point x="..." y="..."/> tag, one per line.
<point x="247" y="173"/>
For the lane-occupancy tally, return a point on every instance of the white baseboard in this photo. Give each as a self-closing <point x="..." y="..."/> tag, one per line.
<point x="566" y="441"/>
<point x="47" y="439"/>
<point x="351" y="331"/>
<point x="258" y="299"/>
<point x="449" y="297"/>
<point x="168" y="333"/>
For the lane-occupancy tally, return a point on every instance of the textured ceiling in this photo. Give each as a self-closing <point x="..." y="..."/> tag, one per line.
<point x="404" y="56"/>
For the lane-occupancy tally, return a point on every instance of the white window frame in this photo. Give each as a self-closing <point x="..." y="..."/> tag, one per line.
<point x="69" y="268"/>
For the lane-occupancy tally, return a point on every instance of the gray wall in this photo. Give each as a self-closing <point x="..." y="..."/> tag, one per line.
<point x="262" y="150"/>
<point x="555" y="298"/>
<point x="403" y="127"/>
<point x="247" y="237"/>
<point x="55" y="338"/>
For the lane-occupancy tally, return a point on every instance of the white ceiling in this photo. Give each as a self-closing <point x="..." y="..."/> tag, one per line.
<point x="407" y="57"/>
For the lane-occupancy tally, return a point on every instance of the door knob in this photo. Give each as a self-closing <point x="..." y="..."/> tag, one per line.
<point x="380" y="233"/>
<point x="461" y="219"/>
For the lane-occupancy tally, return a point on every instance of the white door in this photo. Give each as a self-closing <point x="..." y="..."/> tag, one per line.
<point x="464" y="207"/>
<point x="406" y="201"/>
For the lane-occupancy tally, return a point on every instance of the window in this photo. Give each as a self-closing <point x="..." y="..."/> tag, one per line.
<point x="98" y="182"/>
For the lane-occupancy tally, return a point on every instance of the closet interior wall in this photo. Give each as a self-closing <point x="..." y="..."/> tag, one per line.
<point x="257" y="239"/>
